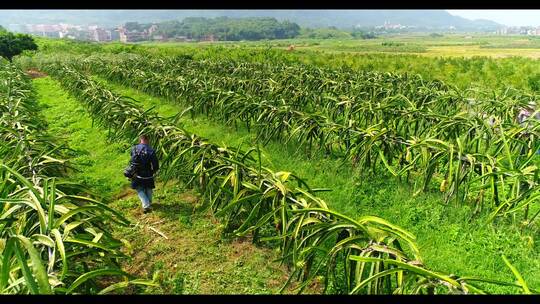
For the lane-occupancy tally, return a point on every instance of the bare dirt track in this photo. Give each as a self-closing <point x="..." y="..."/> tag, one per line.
<point x="35" y="74"/>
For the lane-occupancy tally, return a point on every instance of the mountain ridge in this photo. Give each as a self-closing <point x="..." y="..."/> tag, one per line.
<point x="344" y="19"/>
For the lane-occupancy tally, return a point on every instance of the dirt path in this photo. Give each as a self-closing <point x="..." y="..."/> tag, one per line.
<point x="183" y="248"/>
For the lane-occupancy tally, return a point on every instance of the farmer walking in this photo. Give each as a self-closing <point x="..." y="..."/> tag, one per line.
<point x="145" y="165"/>
<point x="525" y="114"/>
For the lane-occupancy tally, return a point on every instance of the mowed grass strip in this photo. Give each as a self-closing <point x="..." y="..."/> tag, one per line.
<point x="98" y="160"/>
<point x="177" y="245"/>
<point x="449" y="239"/>
<point x="185" y="252"/>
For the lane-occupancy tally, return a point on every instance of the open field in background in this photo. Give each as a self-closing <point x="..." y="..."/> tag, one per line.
<point x="472" y="51"/>
<point x="446" y="46"/>
<point x="491" y="62"/>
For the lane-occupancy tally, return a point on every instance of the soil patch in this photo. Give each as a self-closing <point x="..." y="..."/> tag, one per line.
<point x="35" y="74"/>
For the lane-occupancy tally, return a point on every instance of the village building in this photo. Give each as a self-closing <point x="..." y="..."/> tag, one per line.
<point x="131" y="36"/>
<point x="152" y="29"/>
<point x="99" y="34"/>
<point x="209" y="38"/>
<point x="45" y="30"/>
<point x="180" y="38"/>
<point x="159" y="38"/>
<point x="115" y="35"/>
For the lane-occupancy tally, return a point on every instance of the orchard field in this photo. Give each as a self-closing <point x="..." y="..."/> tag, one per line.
<point x="383" y="166"/>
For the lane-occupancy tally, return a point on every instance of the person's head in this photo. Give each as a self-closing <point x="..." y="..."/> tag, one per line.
<point x="143" y="139"/>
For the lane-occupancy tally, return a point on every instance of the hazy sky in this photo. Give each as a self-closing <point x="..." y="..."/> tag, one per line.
<point x="506" y="16"/>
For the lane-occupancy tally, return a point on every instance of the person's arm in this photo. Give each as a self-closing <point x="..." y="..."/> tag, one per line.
<point x="132" y="152"/>
<point x="155" y="163"/>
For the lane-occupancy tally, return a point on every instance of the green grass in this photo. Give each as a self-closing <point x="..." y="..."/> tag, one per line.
<point x="193" y="258"/>
<point x="449" y="239"/>
<point x="98" y="160"/>
<point x="450" y="45"/>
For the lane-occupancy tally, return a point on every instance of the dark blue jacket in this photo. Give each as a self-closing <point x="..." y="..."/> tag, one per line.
<point x="149" y="167"/>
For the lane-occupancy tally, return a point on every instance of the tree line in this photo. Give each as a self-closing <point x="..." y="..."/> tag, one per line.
<point x="14" y="44"/>
<point x="236" y="29"/>
<point x="231" y="29"/>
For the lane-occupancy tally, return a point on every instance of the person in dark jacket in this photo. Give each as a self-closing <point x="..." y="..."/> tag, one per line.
<point x="143" y="181"/>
